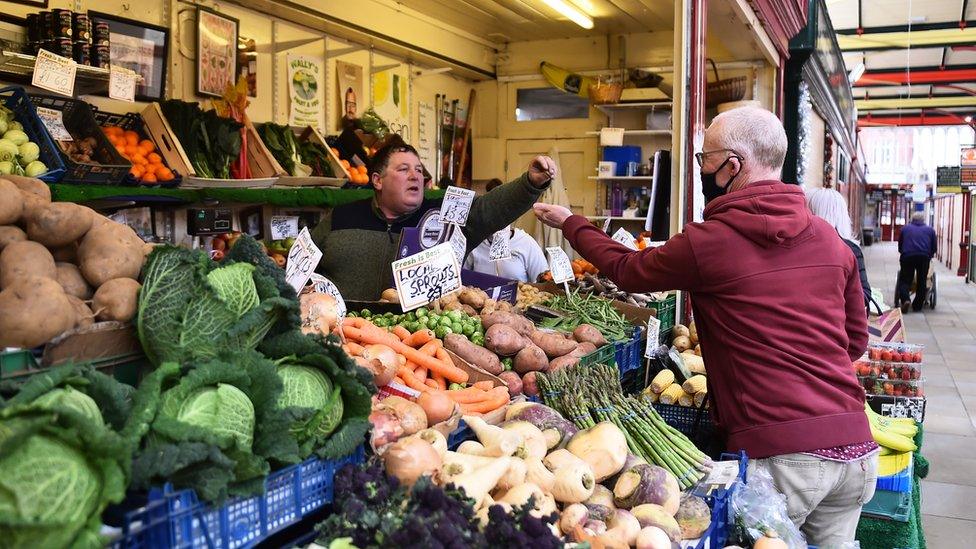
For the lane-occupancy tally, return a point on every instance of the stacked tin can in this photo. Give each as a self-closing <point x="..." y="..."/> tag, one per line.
<point x="71" y="35"/>
<point x="101" y="48"/>
<point x="81" y="25"/>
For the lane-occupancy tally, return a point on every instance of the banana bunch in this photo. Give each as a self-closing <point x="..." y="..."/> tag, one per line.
<point x="895" y="434"/>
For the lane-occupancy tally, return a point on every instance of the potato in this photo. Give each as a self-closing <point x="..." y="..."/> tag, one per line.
<point x="11" y="203"/>
<point x="70" y="278"/>
<point x="110" y="251"/>
<point x="474" y="297"/>
<point x="504" y="307"/>
<point x="521" y="324"/>
<point x="559" y="363"/>
<point x="33" y="310"/>
<point x="10" y="234"/>
<point x="529" y="385"/>
<point x="680" y="330"/>
<point x="475" y="355"/>
<point x="554" y="345"/>
<point x="58" y="224"/>
<point x="587" y="333"/>
<point x="25" y="259"/>
<point x="83" y="314"/>
<point x="504" y="340"/>
<point x="682" y="343"/>
<point x="514" y="382"/>
<point x="31" y="185"/>
<point x="67" y="253"/>
<point x="530" y="359"/>
<point x="32" y="203"/>
<point x="469" y="310"/>
<point x="117" y="299"/>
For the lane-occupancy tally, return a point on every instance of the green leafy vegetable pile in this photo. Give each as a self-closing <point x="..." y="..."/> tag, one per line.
<point x="211" y="142"/>
<point x="284" y="146"/>
<point x="317" y="158"/>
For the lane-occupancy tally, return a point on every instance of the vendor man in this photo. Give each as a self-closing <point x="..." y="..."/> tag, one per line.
<point x="359" y="241"/>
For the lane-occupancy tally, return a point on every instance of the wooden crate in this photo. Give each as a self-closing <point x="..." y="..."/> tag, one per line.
<point x="169" y="147"/>
<point x="313" y="135"/>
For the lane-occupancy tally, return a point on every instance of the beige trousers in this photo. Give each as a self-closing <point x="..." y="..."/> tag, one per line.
<point x="823" y="497"/>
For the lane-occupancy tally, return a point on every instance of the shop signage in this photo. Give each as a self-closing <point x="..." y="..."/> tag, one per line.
<point x="426" y="276"/>
<point x="967" y="156"/>
<point x="54" y="122"/>
<point x="306" y="91"/>
<point x="323" y="285"/>
<point x="624" y="237"/>
<point x="303" y="257"/>
<point x="456" y="205"/>
<point x="948" y="179"/>
<point x="967" y="177"/>
<point x="284" y="226"/>
<point x="653" y="335"/>
<point x="459" y="243"/>
<point x="54" y="73"/>
<point x="122" y="85"/>
<point x="559" y="265"/>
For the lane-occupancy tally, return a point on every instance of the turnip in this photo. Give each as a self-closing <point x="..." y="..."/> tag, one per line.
<point x="652" y="537"/>
<point x="647" y="484"/>
<point x="603" y="446"/>
<point x="573" y="483"/>
<point x="554" y="427"/>
<point x="650" y="514"/>
<point x="573" y="516"/>
<point x="623" y="525"/>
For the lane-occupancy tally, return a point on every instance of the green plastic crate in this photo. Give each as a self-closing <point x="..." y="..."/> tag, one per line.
<point x="127" y="368"/>
<point x="16" y="362"/>
<point x="603" y="355"/>
<point x="666" y="309"/>
<point x="889" y="505"/>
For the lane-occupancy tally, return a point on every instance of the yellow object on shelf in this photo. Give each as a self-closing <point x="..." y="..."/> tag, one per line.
<point x="671" y="394"/>
<point x="694" y="384"/>
<point x="662" y="380"/>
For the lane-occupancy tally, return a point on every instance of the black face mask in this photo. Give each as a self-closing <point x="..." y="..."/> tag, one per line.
<point x="710" y="189"/>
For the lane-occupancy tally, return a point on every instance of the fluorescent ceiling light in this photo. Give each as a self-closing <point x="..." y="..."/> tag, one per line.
<point x="856" y="73"/>
<point x="968" y="119"/>
<point x="571" y="12"/>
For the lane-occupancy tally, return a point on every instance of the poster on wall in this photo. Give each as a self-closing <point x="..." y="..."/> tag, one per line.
<point x="390" y="99"/>
<point x="216" y="52"/>
<point x="426" y="132"/>
<point x="349" y="89"/>
<point x="139" y="47"/>
<point x="247" y="64"/>
<point x="305" y="91"/>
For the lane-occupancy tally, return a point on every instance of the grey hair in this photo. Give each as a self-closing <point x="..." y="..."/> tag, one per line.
<point x="918" y="216"/>
<point x="829" y="205"/>
<point x="754" y="133"/>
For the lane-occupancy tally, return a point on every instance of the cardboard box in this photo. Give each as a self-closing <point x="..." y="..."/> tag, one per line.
<point x="101" y="340"/>
<point x="636" y="315"/>
<point x="497" y="288"/>
<point x="475" y="374"/>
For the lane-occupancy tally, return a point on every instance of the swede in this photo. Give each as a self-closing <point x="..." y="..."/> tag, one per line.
<point x="603" y="447"/>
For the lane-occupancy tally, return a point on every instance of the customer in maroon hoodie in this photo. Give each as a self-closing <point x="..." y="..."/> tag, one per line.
<point x="780" y="316"/>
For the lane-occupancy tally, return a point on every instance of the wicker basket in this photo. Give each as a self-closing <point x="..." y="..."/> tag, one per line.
<point x="603" y="93"/>
<point x="724" y="91"/>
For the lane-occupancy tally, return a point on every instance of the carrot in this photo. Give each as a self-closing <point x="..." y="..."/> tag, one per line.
<point x="354" y="321"/>
<point x="441" y="383"/>
<point x="411" y="380"/>
<point x="354" y="348"/>
<point x="399" y="380"/>
<point x="419" y="338"/>
<point x="449" y="371"/>
<point x="421" y="373"/>
<point x="401" y="332"/>
<point x="430" y="348"/>
<point x="498" y="397"/>
<point x="468" y="396"/>
<point x="486" y="385"/>
<point x="431" y="383"/>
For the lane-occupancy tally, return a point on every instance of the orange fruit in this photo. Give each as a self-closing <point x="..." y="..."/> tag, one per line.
<point x="131" y="137"/>
<point x="151" y="168"/>
<point x="147" y="144"/>
<point x="137" y="172"/>
<point x="149" y="178"/>
<point x="153" y="157"/>
<point x="164" y="174"/>
<point x="121" y="150"/>
<point x="138" y="159"/>
<point x="362" y="170"/>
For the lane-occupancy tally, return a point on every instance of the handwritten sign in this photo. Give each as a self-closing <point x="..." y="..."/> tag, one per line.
<point x="122" y="85"/>
<point x="459" y="243"/>
<point x="456" y="205"/>
<point x="624" y="237"/>
<point x="606" y="225"/>
<point x="54" y="73"/>
<point x="284" y="226"/>
<point x="54" y="122"/>
<point x="653" y="334"/>
<point x="303" y="257"/>
<point x="559" y="265"/>
<point x="501" y="246"/>
<point x="426" y="276"/>
<point x="325" y="286"/>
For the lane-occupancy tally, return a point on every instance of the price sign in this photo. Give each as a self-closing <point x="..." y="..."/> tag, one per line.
<point x="606" y="225"/>
<point x="325" y="286"/>
<point x="624" y="237"/>
<point x="653" y="334"/>
<point x="54" y="73"/>
<point x="501" y="246"/>
<point x="303" y="257"/>
<point x="559" y="265"/>
<point x="426" y="276"/>
<point x="122" y="85"/>
<point x="459" y="243"/>
<point x="284" y="226"/>
<point x="54" y="122"/>
<point x="456" y="205"/>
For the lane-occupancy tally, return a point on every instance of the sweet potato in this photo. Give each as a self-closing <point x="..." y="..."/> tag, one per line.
<point x="530" y="359"/>
<point x="10" y="234"/>
<point x="519" y="323"/>
<point x="559" y="363"/>
<point x="553" y="344"/>
<point x="70" y="278"/>
<point x="583" y="349"/>
<point x="586" y="333"/>
<point x="58" y="223"/>
<point x="504" y="340"/>
<point x="11" y="203"/>
<point x="83" y="314"/>
<point x="31" y="185"/>
<point x="477" y="356"/>
<point x="529" y="385"/>
<point x="117" y="299"/>
<point x="25" y="259"/>
<point x="33" y="310"/>
<point x="514" y="382"/>
<point x="110" y="251"/>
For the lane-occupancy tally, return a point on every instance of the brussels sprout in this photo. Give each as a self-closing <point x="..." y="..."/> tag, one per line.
<point x="35" y="169"/>
<point x="6" y="167"/>
<point x="17" y="137"/>
<point x="8" y="150"/>
<point x="29" y="152"/>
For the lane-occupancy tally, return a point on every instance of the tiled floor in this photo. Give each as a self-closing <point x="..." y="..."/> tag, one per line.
<point x="949" y="335"/>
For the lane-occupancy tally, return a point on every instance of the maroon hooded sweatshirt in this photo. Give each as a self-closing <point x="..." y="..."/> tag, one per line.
<point x="779" y="312"/>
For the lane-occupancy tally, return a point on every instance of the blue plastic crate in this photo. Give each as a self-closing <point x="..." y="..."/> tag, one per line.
<point x="629" y="354"/>
<point x="899" y="482"/>
<point x="718" y="532"/>
<point x="177" y="519"/>
<point x="459" y="435"/>
<point x="133" y="121"/>
<point x="17" y="100"/>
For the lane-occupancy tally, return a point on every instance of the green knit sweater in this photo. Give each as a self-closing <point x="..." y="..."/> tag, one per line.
<point x="358" y="244"/>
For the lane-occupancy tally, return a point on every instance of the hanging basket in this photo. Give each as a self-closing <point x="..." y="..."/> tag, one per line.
<point x="724" y="91"/>
<point x="603" y="93"/>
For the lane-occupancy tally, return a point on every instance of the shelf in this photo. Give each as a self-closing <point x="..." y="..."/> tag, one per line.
<point x="595" y="217"/>
<point x="642" y="105"/>
<point x="638" y="132"/>
<point x="623" y="177"/>
<point x="87" y="79"/>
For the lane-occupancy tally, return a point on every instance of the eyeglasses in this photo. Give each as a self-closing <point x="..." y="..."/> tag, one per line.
<point x="700" y="157"/>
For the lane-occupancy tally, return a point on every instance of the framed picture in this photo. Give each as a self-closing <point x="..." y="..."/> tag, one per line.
<point x="34" y="3"/>
<point x="216" y="52"/>
<point x="139" y="46"/>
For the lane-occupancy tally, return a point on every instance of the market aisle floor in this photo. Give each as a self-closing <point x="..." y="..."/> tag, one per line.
<point x="949" y="335"/>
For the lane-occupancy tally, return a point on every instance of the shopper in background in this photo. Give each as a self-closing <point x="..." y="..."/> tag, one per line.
<point x="780" y="316"/>
<point x="359" y="241"/>
<point x="527" y="261"/>
<point x="829" y="205"/>
<point x="917" y="245"/>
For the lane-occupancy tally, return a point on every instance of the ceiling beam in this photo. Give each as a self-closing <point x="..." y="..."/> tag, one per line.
<point x="914" y="120"/>
<point x="916" y="76"/>
<point x="903" y="39"/>
<point x="915" y="102"/>
<point x="918" y="27"/>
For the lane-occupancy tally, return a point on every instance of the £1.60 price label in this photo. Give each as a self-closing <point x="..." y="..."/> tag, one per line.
<point x="624" y="237"/>
<point x="426" y="276"/>
<point x="303" y="257"/>
<point x="54" y="73"/>
<point x="323" y="285"/>
<point x="456" y="205"/>
<point x="501" y="246"/>
<point x="122" y="85"/>
<point x="559" y="265"/>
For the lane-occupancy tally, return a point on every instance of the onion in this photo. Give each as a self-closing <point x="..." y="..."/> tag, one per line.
<point x="382" y="373"/>
<point x="320" y="313"/>
<point x="437" y="405"/>
<point x="412" y="417"/>
<point x="410" y="458"/>
<point x="386" y="355"/>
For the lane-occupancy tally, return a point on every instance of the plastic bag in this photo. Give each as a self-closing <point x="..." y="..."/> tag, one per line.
<point x="757" y="508"/>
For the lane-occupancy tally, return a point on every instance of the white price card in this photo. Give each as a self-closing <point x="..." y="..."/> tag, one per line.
<point x="653" y="334"/>
<point x="606" y="225"/>
<point x="284" y="226"/>
<point x="624" y="237"/>
<point x="456" y="205"/>
<point x="559" y="265"/>
<point x="122" y="85"/>
<point x="459" y="243"/>
<point x="54" y="122"/>
<point x="325" y="286"/>
<point x="426" y="276"/>
<point x="303" y="258"/>
<point x="54" y="73"/>
<point x="501" y="245"/>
